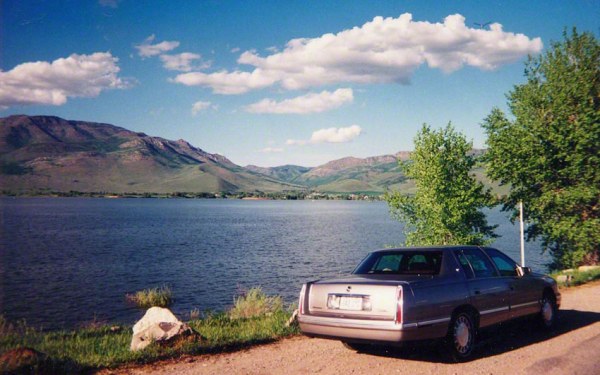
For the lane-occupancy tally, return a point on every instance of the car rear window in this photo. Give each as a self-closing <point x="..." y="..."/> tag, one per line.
<point x="401" y="263"/>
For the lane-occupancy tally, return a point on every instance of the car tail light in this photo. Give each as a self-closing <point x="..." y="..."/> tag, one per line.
<point x="399" y="305"/>
<point x="301" y="300"/>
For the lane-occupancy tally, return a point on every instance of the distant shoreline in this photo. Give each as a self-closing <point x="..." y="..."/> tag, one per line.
<point x="257" y="196"/>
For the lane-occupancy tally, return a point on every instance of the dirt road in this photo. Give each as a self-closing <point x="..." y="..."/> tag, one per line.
<point x="573" y="348"/>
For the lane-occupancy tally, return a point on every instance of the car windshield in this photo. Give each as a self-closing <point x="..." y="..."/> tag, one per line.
<point x="401" y="263"/>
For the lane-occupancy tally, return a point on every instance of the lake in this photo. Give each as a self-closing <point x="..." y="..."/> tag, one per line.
<point x="66" y="262"/>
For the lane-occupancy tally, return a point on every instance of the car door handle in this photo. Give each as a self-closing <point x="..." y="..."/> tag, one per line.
<point x="477" y="292"/>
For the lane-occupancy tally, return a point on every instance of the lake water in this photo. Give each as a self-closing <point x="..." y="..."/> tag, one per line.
<point x="65" y="262"/>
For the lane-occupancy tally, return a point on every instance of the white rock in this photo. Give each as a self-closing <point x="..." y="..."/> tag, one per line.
<point x="158" y="324"/>
<point x="163" y="331"/>
<point x="153" y="316"/>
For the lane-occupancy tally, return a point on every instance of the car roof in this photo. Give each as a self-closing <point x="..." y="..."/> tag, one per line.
<point x="430" y="248"/>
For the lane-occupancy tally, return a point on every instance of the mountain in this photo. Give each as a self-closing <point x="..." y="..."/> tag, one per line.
<point x="287" y="173"/>
<point x="374" y="175"/>
<point x="347" y="175"/>
<point x="40" y="153"/>
<point x="46" y="152"/>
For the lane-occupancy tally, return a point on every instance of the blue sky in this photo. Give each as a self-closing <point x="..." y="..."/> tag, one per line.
<point x="276" y="82"/>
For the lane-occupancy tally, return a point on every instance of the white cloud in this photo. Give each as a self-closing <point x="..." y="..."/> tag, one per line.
<point x="309" y="103"/>
<point x="384" y="50"/>
<point x="200" y="106"/>
<point x="52" y="83"/>
<point x="227" y="83"/>
<point x="295" y="142"/>
<point x="336" y="135"/>
<point x="235" y="50"/>
<point x="181" y="62"/>
<point x="271" y="150"/>
<point x="329" y="135"/>
<point x="147" y="49"/>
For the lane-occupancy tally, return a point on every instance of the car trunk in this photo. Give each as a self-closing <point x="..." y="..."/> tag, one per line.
<point x="369" y="297"/>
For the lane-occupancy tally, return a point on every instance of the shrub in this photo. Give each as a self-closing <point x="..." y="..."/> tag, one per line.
<point x="159" y="296"/>
<point x="255" y="303"/>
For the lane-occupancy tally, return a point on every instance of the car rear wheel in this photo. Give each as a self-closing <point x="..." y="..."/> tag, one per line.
<point x="548" y="312"/>
<point x="461" y="336"/>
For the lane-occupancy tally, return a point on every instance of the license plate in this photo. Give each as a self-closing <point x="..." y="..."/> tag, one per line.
<point x="350" y="303"/>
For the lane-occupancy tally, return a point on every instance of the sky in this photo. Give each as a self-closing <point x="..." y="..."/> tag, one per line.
<point x="270" y="83"/>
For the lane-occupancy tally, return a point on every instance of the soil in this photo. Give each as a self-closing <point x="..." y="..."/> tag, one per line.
<point x="573" y="347"/>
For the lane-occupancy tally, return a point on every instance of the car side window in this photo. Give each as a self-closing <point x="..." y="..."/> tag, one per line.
<point x="482" y="266"/>
<point x="505" y="265"/>
<point x="464" y="263"/>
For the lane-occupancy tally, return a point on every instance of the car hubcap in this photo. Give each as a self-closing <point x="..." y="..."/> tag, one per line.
<point x="547" y="311"/>
<point x="462" y="334"/>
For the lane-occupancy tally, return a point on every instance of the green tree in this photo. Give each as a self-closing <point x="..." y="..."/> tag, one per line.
<point x="549" y="153"/>
<point x="445" y="210"/>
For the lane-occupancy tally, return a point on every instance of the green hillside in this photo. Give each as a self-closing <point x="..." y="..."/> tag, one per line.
<point x="45" y="153"/>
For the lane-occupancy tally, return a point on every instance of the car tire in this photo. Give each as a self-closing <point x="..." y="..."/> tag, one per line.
<point x="548" y="312"/>
<point x="461" y="337"/>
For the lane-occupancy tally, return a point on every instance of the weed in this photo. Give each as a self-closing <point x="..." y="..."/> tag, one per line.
<point x="195" y="314"/>
<point x="160" y="296"/>
<point x="255" y="303"/>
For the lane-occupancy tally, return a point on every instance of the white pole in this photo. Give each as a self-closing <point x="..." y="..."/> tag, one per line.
<point x="522" y="235"/>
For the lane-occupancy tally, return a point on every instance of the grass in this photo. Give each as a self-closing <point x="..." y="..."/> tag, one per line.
<point x="254" y="303"/>
<point x="159" y="296"/>
<point x="577" y="277"/>
<point x="226" y="333"/>
<point x="107" y="347"/>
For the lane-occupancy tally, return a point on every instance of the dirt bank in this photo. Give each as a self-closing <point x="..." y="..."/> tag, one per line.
<point x="573" y="348"/>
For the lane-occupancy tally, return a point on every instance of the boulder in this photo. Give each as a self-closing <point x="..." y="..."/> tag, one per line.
<point x="153" y="316"/>
<point x="24" y="360"/>
<point x="157" y="325"/>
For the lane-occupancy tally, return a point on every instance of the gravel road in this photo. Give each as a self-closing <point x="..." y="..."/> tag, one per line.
<point x="573" y="348"/>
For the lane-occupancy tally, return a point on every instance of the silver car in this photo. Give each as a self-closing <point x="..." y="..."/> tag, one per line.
<point x="412" y="294"/>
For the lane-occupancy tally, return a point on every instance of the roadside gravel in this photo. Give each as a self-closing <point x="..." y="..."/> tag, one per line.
<point x="573" y="348"/>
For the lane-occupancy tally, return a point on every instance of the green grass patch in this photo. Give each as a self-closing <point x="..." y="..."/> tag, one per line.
<point x="576" y="277"/>
<point x="108" y="347"/>
<point x="159" y="296"/>
<point x="222" y="332"/>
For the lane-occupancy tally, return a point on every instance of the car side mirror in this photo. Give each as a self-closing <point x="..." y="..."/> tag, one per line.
<point x="522" y="271"/>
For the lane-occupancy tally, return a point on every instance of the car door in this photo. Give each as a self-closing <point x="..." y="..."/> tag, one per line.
<point x="525" y="295"/>
<point x="489" y="293"/>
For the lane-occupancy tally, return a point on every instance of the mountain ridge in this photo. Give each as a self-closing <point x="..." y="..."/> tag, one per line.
<point x="54" y="154"/>
<point x="51" y="153"/>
